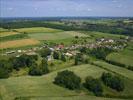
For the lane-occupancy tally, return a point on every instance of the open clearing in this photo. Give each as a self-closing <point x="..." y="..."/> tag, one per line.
<point x="56" y="36"/>
<point x="18" y="43"/>
<point x="38" y="30"/>
<point x="40" y="88"/>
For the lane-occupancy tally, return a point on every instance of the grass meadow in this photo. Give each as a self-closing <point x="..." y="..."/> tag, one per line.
<point x="42" y="87"/>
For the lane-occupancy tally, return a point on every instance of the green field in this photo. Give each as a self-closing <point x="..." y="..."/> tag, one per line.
<point x="39" y="88"/>
<point x="121" y="71"/>
<point x="38" y="30"/>
<point x="124" y="57"/>
<point x="56" y="36"/>
<point x="121" y="58"/>
<point x="101" y="35"/>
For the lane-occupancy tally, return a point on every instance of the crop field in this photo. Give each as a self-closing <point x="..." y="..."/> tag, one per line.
<point x="3" y="30"/>
<point x="2" y="34"/>
<point x="18" y="43"/>
<point x="41" y="87"/>
<point x="56" y="36"/>
<point x="38" y="30"/>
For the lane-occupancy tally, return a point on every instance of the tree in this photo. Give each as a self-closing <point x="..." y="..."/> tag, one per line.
<point x="68" y="80"/>
<point x="44" y="66"/>
<point x="45" y="52"/>
<point x="100" y="52"/>
<point x="3" y="73"/>
<point x="56" y="55"/>
<point x="78" y="58"/>
<point x="93" y="85"/>
<point x="7" y="65"/>
<point x="112" y="81"/>
<point x="35" y="70"/>
<point x="83" y="49"/>
<point x="63" y="58"/>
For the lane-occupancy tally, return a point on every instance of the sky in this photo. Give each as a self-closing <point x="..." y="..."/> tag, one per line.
<point x="55" y="8"/>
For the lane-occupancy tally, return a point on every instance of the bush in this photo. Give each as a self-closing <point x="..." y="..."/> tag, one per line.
<point x="112" y="81"/>
<point x="130" y="68"/>
<point x="68" y="80"/>
<point x="93" y="85"/>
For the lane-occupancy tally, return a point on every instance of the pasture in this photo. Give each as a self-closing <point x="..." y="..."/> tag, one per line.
<point x="102" y="35"/>
<point x="124" y="57"/>
<point x="56" y="36"/>
<point x="18" y="43"/>
<point x="38" y="30"/>
<point x="42" y="87"/>
<point x="121" y="58"/>
<point x="116" y="69"/>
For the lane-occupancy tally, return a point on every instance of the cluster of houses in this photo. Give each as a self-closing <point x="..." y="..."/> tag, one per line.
<point x="71" y="50"/>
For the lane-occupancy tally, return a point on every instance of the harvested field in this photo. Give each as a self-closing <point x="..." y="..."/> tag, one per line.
<point x="37" y="29"/>
<point x="18" y="43"/>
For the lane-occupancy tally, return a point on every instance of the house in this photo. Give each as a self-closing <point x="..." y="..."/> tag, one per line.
<point x="10" y="52"/>
<point x="31" y="53"/>
<point x="50" y="58"/>
<point x="19" y="51"/>
<point x="59" y="47"/>
<point x="68" y="54"/>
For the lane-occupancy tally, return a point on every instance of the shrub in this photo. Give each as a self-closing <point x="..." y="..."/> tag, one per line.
<point x="68" y="80"/>
<point x="93" y="85"/>
<point x="130" y="68"/>
<point x="112" y="81"/>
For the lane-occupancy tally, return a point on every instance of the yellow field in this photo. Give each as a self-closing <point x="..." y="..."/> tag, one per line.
<point x="38" y="30"/>
<point x="2" y="34"/>
<point x="18" y="43"/>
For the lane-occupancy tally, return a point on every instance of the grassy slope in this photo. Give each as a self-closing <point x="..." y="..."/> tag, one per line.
<point x="124" y="57"/>
<point x="121" y="71"/>
<point x="41" y="87"/>
<point x="121" y="58"/>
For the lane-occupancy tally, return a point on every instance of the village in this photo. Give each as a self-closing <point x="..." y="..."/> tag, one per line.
<point x="72" y="50"/>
